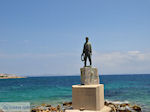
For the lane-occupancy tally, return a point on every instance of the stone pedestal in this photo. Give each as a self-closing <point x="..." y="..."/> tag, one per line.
<point x="89" y="76"/>
<point x="89" y="97"/>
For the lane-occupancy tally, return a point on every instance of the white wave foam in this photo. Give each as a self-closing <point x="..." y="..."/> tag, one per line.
<point x="117" y="102"/>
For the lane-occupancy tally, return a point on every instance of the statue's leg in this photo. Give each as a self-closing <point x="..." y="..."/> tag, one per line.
<point x="89" y="56"/>
<point x="85" y="59"/>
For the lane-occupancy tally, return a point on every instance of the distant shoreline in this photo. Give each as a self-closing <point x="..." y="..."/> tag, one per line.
<point x="9" y="76"/>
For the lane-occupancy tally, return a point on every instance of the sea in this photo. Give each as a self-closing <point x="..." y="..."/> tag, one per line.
<point x="134" y="89"/>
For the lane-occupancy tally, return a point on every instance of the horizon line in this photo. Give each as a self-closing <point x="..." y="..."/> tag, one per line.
<point x="79" y="75"/>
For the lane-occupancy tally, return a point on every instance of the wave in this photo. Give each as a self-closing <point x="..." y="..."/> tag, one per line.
<point x="117" y="102"/>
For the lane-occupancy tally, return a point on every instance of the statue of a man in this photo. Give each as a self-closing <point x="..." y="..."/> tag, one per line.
<point x="87" y="52"/>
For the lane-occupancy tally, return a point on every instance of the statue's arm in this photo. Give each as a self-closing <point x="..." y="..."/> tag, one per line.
<point x="83" y="49"/>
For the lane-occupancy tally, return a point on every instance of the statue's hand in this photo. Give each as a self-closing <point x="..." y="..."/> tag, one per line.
<point x="82" y="57"/>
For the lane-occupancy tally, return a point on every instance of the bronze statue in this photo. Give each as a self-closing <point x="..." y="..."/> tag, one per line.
<point x="87" y="52"/>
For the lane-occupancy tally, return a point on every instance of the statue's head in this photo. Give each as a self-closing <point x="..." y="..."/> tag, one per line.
<point x="86" y="39"/>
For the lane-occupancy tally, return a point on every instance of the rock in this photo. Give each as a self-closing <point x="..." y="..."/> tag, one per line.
<point x="137" y="108"/>
<point x="53" y="109"/>
<point x="1" y="110"/>
<point x="113" y="107"/>
<point x="49" y="109"/>
<point x="81" y="109"/>
<point x="43" y="105"/>
<point x="124" y="105"/>
<point x="106" y="103"/>
<point x="48" y="105"/>
<point x="124" y="111"/>
<point x="33" y="110"/>
<point x="67" y="104"/>
<point x="58" y="107"/>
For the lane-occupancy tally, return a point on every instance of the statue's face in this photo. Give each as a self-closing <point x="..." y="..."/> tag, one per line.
<point x="87" y="39"/>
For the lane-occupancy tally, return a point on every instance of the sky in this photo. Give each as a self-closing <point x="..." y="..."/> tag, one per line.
<point x="46" y="37"/>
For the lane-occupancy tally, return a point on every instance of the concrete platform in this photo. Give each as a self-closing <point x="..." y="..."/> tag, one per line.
<point x="89" y="97"/>
<point x="104" y="109"/>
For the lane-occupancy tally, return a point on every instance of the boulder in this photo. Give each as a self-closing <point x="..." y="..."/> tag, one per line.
<point x="124" y="105"/>
<point x="81" y="109"/>
<point x="113" y="107"/>
<point x="67" y="104"/>
<point x="48" y="105"/>
<point x="1" y="110"/>
<point x="137" y="108"/>
<point x="58" y="107"/>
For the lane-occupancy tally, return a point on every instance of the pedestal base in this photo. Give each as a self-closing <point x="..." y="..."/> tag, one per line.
<point x="89" y="97"/>
<point x="104" y="109"/>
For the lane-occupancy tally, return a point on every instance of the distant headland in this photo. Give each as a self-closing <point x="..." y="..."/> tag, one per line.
<point x="9" y="76"/>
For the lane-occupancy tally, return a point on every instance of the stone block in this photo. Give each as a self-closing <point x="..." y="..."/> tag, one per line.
<point x="89" y="97"/>
<point x="89" y="76"/>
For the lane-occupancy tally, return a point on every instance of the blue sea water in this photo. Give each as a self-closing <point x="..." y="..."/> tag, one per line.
<point x="57" y="89"/>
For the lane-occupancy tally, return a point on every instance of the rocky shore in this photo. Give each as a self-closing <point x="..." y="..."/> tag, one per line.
<point x="115" y="107"/>
<point x="122" y="107"/>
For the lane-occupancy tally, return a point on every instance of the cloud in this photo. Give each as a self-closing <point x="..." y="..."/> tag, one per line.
<point x="34" y="55"/>
<point x="130" y="62"/>
<point x="123" y="62"/>
<point x="39" y="64"/>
